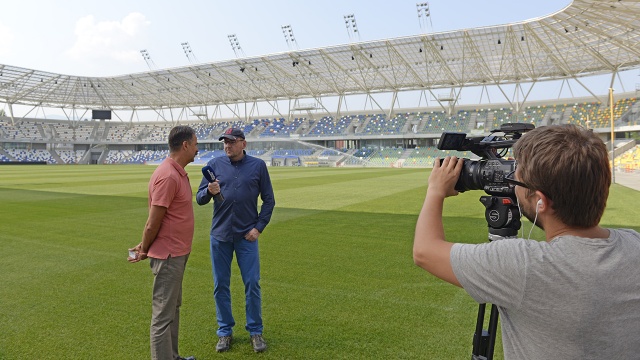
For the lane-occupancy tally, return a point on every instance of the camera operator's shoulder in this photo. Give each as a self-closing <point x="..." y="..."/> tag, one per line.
<point x="625" y="234"/>
<point x="518" y="245"/>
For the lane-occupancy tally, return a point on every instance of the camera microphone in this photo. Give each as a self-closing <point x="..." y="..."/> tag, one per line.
<point x="208" y="174"/>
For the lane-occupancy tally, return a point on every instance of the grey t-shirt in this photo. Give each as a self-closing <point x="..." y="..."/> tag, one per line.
<point x="571" y="298"/>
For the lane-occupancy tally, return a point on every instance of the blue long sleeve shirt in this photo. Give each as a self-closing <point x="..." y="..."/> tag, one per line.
<point x="241" y="183"/>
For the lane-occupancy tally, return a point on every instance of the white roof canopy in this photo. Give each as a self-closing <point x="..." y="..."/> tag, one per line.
<point x="588" y="37"/>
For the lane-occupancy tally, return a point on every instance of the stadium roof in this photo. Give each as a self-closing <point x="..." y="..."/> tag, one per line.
<point x="588" y="37"/>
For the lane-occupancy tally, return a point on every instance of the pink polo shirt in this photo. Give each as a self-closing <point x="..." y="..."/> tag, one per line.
<point x="169" y="187"/>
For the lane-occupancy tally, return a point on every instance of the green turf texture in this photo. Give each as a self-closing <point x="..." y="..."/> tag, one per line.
<point x="338" y="279"/>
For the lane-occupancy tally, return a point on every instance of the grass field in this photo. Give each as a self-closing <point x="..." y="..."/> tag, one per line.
<point x="338" y="278"/>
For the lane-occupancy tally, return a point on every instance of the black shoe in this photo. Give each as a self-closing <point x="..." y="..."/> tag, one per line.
<point x="187" y="358"/>
<point x="258" y="343"/>
<point x="224" y="343"/>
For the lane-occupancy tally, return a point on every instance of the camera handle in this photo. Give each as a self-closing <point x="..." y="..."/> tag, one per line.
<point x="503" y="218"/>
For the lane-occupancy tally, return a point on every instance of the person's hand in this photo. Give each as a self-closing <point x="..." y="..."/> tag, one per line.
<point x="139" y="254"/>
<point x="252" y="235"/>
<point x="214" y="187"/>
<point x="444" y="176"/>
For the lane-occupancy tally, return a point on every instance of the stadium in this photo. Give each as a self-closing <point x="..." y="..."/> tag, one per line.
<point x="512" y="58"/>
<point x="325" y="160"/>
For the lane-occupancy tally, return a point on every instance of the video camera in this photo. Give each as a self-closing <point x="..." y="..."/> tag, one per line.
<point x="488" y="173"/>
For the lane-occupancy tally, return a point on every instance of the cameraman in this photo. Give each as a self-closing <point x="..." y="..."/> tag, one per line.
<point x="575" y="295"/>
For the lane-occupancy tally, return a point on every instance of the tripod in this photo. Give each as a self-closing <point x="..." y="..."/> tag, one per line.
<point x="503" y="217"/>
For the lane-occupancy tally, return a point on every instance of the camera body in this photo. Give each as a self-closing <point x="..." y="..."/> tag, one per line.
<point x="489" y="172"/>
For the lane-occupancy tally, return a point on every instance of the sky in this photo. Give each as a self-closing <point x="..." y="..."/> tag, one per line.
<point x="104" y="38"/>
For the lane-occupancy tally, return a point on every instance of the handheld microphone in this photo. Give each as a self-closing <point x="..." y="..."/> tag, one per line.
<point x="208" y="174"/>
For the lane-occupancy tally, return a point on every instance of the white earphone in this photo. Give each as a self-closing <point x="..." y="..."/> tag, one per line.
<point x="538" y="204"/>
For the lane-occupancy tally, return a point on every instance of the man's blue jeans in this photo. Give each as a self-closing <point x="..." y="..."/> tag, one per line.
<point x="249" y="262"/>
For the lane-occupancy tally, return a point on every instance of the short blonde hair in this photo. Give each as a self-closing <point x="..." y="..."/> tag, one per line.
<point x="570" y="165"/>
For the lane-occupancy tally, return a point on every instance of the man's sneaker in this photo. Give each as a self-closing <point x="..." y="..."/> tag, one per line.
<point x="187" y="358"/>
<point x="224" y="343"/>
<point x="258" y="343"/>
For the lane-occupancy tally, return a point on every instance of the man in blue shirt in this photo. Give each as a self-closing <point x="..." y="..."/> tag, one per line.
<point x="236" y="226"/>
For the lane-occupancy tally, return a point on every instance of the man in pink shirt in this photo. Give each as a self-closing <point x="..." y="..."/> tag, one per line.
<point x="166" y="240"/>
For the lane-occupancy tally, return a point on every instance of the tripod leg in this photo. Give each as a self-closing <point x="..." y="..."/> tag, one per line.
<point x="478" y="335"/>
<point x="493" y="330"/>
<point x="484" y="341"/>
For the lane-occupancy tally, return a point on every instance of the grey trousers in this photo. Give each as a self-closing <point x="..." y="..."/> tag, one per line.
<point x="167" y="298"/>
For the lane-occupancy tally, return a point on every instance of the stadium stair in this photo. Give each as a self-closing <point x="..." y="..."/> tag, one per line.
<point x="346" y="157"/>
<point x="103" y="156"/>
<point x="363" y="125"/>
<point x="407" y="125"/>
<point x="94" y="131"/>
<point x="405" y="155"/>
<point x="3" y="153"/>
<point x="41" y="131"/>
<point x="56" y="157"/>
<point x="472" y="121"/>
<point x="566" y="114"/>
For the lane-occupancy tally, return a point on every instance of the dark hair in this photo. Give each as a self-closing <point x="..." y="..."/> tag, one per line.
<point x="178" y="135"/>
<point x="570" y="165"/>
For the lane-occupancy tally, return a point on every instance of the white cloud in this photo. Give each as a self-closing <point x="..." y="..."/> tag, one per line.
<point x="109" y="40"/>
<point x="6" y="40"/>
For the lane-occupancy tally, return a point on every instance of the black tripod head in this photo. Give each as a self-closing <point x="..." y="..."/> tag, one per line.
<point x="502" y="215"/>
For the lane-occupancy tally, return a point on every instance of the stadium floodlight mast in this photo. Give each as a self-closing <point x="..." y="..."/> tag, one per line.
<point x="190" y="55"/>
<point x="424" y="17"/>
<point x="148" y="60"/>
<point x="235" y="45"/>
<point x="613" y="152"/>
<point x="289" y="38"/>
<point x="352" y="27"/>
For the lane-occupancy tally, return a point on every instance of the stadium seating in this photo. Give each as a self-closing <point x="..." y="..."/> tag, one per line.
<point x="380" y="125"/>
<point x="205" y="156"/>
<point x="117" y="156"/>
<point x="331" y="152"/>
<point x="293" y="152"/>
<point x="439" y="121"/>
<point x="327" y="126"/>
<point x="24" y="130"/>
<point x="71" y="156"/>
<point x="281" y="128"/>
<point x="586" y="114"/>
<point x="144" y="156"/>
<point x="366" y="129"/>
<point x="385" y="157"/>
<point x="629" y="161"/>
<point x="533" y="115"/>
<point x="23" y="155"/>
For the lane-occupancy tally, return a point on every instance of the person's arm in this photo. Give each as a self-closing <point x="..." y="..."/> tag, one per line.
<point x="268" y="203"/>
<point x="267" y="197"/>
<point x="203" y="196"/>
<point x="151" y="228"/>
<point x="431" y="251"/>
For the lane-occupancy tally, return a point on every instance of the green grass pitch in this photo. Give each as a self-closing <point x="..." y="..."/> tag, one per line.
<point x="338" y="278"/>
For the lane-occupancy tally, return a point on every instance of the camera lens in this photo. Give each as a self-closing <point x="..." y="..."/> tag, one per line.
<point x="485" y="175"/>
<point x="470" y="178"/>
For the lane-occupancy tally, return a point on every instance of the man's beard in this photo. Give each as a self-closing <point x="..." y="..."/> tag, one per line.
<point x="531" y="216"/>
